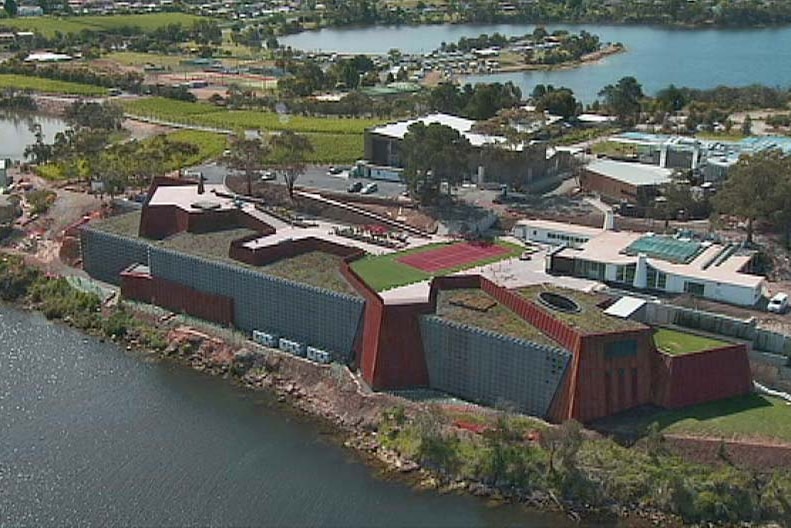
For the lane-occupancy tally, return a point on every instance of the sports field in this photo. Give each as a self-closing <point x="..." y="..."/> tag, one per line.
<point x="452" y="256"/>
<point x="384" y="272"/>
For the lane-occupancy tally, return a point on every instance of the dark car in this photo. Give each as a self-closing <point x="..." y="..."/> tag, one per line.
<point x="355" y="187"/>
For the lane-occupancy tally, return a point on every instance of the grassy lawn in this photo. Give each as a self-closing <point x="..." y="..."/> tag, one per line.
<point x="49" y="25"/>
<point x="133" y="58"/>
<point x="591" y="318"/>
<point x="497" y="318"/>
<point x="677" y="343"/>
<point x="210" y="145"/>
<point x="384" y="272"/>
<point x="745" y="417"/>
<point x="313" y="268"/>
<point x="209" y="115"/>
<point x="615" y="149"/>
<point x="38" y="84"/>
<point x="752" y="416"/>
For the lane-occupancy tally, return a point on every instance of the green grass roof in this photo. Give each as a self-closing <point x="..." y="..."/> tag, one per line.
<point x="676" y="343"/>
<point x="497" y="319"/>
<point x="590" y="319"/>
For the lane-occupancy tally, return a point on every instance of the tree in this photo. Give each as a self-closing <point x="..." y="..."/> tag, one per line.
<point x="623" y="98"/>
<point x="39" y="152"/>
<point x="98" y="116"/>
<point x="11" y="7"/>
<point x="558" y="102"/>
<point x="757" y="189"/>
<point x="430" y="154"/>
<point x="289" y="150"/>
<point x="671" y="99"/>
<point x="563" y="443"/>
<point x="247" y="155"/>
<point x="747" y="125"/>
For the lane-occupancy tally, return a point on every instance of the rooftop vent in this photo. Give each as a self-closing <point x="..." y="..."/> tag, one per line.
<point x="206" y="206"/>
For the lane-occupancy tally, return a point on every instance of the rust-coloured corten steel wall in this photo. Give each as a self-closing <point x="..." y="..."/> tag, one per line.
<point x="289" y="248"/>
<point x="176" y="297"/>
<point x="390" y="354"/>
<point x="161" y="221"/>
<point x="702" y="377"/>
<point x="604" y="383"/>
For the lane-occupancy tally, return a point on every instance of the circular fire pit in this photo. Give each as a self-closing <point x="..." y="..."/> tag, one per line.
<point x="559" y="302"/>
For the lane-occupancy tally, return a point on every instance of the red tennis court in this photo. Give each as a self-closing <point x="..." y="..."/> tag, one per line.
<point x="452" y="256"/>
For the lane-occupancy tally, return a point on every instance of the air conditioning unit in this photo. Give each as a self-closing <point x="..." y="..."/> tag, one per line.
<point x="318" y="355"/>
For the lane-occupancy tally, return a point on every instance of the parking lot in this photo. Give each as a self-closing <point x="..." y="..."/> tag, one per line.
<point x="316" y="176"/>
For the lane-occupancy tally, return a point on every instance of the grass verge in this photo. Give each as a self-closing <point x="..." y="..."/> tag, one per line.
<point x="677" y="343"/>
<point x="39" y="84"/>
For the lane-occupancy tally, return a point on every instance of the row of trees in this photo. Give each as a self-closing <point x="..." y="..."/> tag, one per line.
<point x="284" y="152"/>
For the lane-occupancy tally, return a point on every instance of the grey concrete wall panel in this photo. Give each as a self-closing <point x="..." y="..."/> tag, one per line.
<point x="314" y="316"/>
<point x="106" y="255"/>
<point x="490" y="368"/>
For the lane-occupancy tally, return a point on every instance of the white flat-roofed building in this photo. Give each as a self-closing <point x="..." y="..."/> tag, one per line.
<point x="664" y="264"/>
<point x="554" y="233"/>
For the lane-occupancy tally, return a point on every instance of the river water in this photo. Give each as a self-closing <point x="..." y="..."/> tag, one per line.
<point x="15" y="133"/>
<point x="93" y="435"/>
<point x="702" y="58"/>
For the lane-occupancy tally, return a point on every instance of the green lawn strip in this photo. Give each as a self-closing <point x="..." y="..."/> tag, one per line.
<point x="384" y="272"/>
<point x="168" y="109"/>
<point x="210" y="145"/>
<point x="204" y="114"/>
<point x="336" y="148"/>
<point x="678" y="343"/>
<point x="49" y="25"/>
<point x="133" y="58"/>
<point x="39" y="84"/>
<point x="752" y="416"/>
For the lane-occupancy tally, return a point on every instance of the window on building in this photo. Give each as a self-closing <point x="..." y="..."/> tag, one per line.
<point x="589" y="269"/>
<point x="695" y="288"/>
<point x="620" y="349"/>
<point x="625" y="274"/>
<point x="656" y="280"/>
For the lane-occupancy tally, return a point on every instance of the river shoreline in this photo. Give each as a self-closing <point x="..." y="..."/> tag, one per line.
<point x="332" y="394"/>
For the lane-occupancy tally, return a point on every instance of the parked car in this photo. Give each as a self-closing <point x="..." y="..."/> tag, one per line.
<point x="525" y="256"/>
<point x="268" y="175"/>
<point x="334" y="170"/>
<point x="370" y="188"/>
<point x="355" y="187"/>
<point x="778" y="303"/>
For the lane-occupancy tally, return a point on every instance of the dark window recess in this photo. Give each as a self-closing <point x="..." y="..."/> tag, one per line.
<point x="620" y="349"/>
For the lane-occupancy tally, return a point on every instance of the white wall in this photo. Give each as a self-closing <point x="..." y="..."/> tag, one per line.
<point x="548" y="236"/>
<point x="717" y="291"/>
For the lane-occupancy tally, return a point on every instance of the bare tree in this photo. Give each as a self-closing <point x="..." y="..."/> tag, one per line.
<point x="288" y="155"/>
<point x="247" y="155"/>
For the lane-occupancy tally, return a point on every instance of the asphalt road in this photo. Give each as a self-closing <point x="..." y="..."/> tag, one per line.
<point x="316" y="177"/>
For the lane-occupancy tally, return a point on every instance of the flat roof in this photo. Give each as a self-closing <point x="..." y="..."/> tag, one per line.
<point x="608" y="247"/>
<point x="636" y="174"/>
<point x="666" y="248"/>
<point x="460" y="124"/>
<point x="186" y="197"/>
<point x="562" y="227"/>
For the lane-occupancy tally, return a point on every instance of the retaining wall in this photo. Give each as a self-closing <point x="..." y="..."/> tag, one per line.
<point x="105" y="255"/>
<point x="311" y="315"/>
<point x="177" y="298"/>
<point x="702" y="377"/>
<point x="491" y="368"/>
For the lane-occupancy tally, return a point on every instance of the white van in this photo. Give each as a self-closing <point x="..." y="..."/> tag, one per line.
<point x="778" y="303"/>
